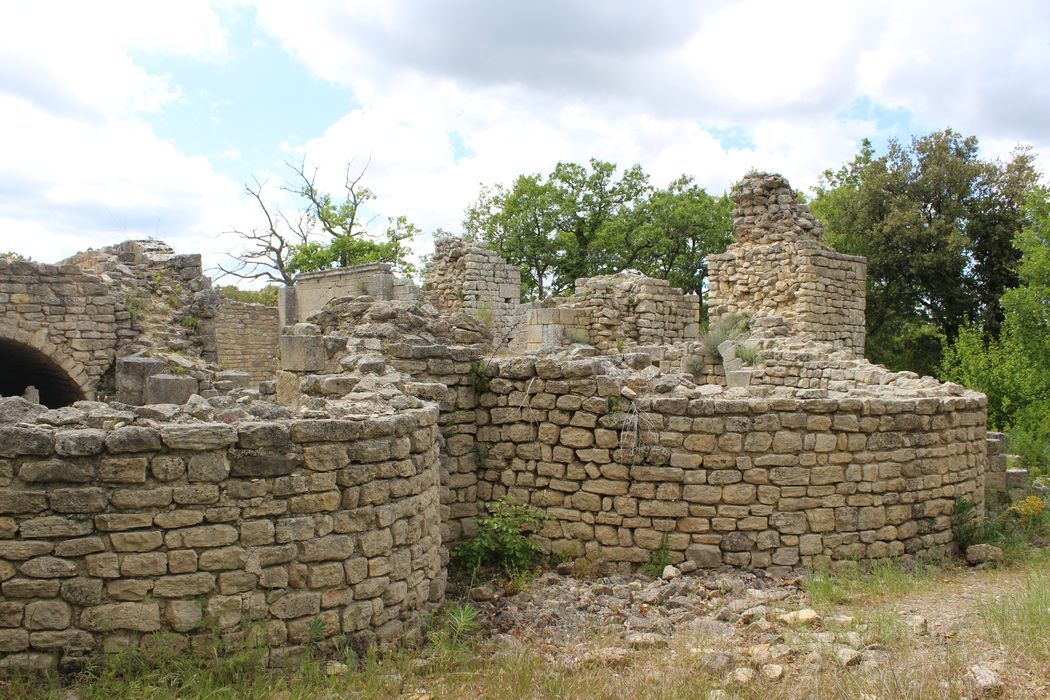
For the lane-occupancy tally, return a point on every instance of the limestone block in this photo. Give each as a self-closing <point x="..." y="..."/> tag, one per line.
<point x="139" y="617"/>
<point x="302" y="353"/>
<point x="170" y="389"/>
<point x="55" y="470"/>
<point x="131" y="376"/>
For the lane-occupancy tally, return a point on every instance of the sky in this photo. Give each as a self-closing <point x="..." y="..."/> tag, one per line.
<point x="146" y="118"/>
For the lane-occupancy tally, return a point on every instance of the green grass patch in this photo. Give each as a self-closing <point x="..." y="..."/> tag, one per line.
<point x="865" y="584"/>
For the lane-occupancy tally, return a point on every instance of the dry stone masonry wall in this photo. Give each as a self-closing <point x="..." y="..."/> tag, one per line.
<point x="246" y="336"/>
<point x="611" y="312"/>
<point x="313" y="290"/>
<point x="59" y="330"/>
<point x="328" y="498"/>
<point x="767" y="482"/>
<point x="465" y="276"/>
<point x="780" y="267"/>
<point x="111" y="529"/>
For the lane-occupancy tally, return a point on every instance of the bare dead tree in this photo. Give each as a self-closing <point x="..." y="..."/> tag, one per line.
<point x="269" y="250"/>
<point x="266" y="251"/>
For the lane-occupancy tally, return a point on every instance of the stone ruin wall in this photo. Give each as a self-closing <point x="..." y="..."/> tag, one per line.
<point x="612" y="312"/>
<point x="779" y="266"/>
<point x="468" y="277"/>
<point x="344" y="523"/>
<point x="312" y="290"/>
<point x="742" y="481"/>
<point x="110" y="531"/>
<point x="67" y="315"/>
<point x="169" y="297"/>
<point x="247" y="337"/>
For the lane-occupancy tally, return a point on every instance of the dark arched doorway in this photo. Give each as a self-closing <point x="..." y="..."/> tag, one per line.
<point x="22" y="366"/>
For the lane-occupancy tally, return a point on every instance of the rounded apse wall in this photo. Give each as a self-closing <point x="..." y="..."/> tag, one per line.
<point x="22" y="366"/>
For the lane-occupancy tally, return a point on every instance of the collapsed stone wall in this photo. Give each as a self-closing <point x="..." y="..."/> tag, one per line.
<point x="779" y="266"/>
<point x="246" y="335"/>
<point x="361" y="343"/>
<point x="611" y="312"/>
<point x="112" y="527"/>
<point x="762" y="481"/>
<point x="467" y="277"/>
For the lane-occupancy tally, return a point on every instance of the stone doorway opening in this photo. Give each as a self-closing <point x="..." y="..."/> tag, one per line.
<point x="22" y="366"/>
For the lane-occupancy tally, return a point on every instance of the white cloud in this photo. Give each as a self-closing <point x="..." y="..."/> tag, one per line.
<point x="455" y="94"/>
<point x="82" y="167"/>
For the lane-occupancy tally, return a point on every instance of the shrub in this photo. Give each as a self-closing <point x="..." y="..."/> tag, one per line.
<point x="1016" y="529"/>
<point x="267" y="296"/>
<point x="748" y="352"/>
<point x="726" y="328"/>
<point x="578" y="336"/>
<point x="503" y="540"/>
<point x="659" y="558"/>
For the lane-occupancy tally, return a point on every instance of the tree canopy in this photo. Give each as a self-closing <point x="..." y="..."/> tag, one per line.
<point x="936" y="223"/>
<point x="1013" y="368"/>
<point x="582" y="221"/>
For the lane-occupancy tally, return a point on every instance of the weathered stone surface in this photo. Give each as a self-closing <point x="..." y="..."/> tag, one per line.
<point x="16" y="440"/>
<point x="78" y="500"/>
<point x="80" y="442"/>
<point x="132" y="439"/>
<point x="170" y="389"/>
<point x="123" y="470"/>
<point x="56" y="470"/>
<point x="47" y="615"/>
<point x="48" y="567"/>
<point x="18" y="502"/>
<point x="137" y="617"/>
<point x="258" y="465"/>
<point x="54" y="526"/>
<point x="208" y="466"/>
<point x="301" y="353"/>
<point x="184" y="585"/>
<point x="198" y="436"/>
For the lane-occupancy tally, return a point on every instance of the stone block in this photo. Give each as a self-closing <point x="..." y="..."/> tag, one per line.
<point x="47" y="615"/>
<point x="56" y="471"/>
<point x="170" y="389"/>
<point x="301" y="353"/>
<point x="131" y="376"/>
<point x="132" y="438"/>
<point x="707" y="556"/>
<point x="137" y="617"/>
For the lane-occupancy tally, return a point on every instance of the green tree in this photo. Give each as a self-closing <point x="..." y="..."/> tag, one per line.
<point x="670" y="234"/>
<point x="1013" y="369"/>
<point x="521" y="224"/>
<point x="582" y="221"/>
<point x="936" y="224"/>
<point x="326" y="232"/>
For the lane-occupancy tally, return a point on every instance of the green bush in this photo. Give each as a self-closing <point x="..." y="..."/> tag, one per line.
<point x="1015" y="529"/>
<point x="267" y="296"/>
<point x="503" y="540"/>
<point x="659" y="558"/>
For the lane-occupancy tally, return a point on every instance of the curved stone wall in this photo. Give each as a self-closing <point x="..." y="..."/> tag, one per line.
<point x="304" y="530"/>
<point x="741" y="480"/>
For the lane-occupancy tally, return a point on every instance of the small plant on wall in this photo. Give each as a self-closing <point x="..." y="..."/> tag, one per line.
<point x="504" y="540"/>
<point x="728" y="327"/>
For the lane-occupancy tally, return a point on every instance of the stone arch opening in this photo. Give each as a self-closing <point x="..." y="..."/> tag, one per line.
<point x="23" y="366"/>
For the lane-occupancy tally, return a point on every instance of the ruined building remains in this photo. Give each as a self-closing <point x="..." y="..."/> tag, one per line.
<point x="203" y="467"/>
